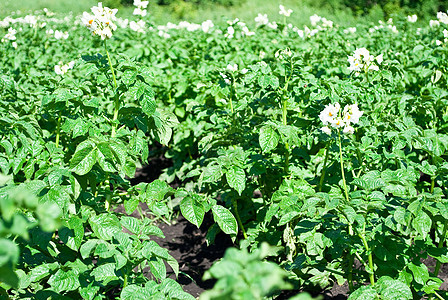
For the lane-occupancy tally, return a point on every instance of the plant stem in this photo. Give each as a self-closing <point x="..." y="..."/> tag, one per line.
<point x="369" y="253"/>
<point x="351" y="260"/>
<point x="235" y="207"/>
<point x="433" y="180"/>
<point x="58" y="130"/>
<point x="342" y="167"/>
<point x="125" y="283"/>
<point x="350" y="229"/>
<point x="324" y="169"/>
<point x="285" y="123"/>
<point x="116" y="103"/>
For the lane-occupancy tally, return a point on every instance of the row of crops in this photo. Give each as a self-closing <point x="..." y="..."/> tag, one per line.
<point x="321" y="151"/>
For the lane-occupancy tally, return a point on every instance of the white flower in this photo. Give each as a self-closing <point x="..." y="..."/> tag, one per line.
<point x="350" y="30"/>
<point x="273" y="25"/>
<point x="244" y="71"/>
<point x="60" y="35"/>
<point x="379" y="59"/>
<point x="245" y="31"/>
<point x="101" y="22"/>
<point x="138" y="26"/>
<point x="226" y="79"/>
<point x="329" y="114"/>
<point x="327" y="23"/>
<point x="338" y="123"/>
<point x="232" y="68"/>
<point x="14" y="45"/>
<point x="230" y="32"/>
<point x="443" y="17"/>
<point x="348" y="129"/>
<point x="207" y="26"/>
<point x="11" y="35"/>
<point x="351" y="114"/>
<point x="434" y="23"/>
<point x="412" y="19"/>
<point x="61" y="69"/>
<point x="261" y="19"/>
<point x="262" y="54"/>
<point x="141" y="4"/>
<point x="139" y="12"/>
<point x="314" y="19"/>
<point x="326" y="130"/>
<point x="284" y="12"/>
<point x="363" y="61"/>
<point x="438" y="43"/>
<point x="283" y="53"/>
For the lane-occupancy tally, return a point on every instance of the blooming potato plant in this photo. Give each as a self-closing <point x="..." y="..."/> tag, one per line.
<point x="362" y="61"/>
<point x="332" y="116"/>
<point x="252" y="122"/>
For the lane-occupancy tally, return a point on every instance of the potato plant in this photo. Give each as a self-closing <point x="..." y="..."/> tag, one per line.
<point x="321" y="151"/>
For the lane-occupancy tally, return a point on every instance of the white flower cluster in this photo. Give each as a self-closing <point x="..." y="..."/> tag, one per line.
<point x="445" y="40"/>
<point x="58" y="34"/>
<point x="441" y="18"/>
<point x="389" y="26"/>
<point x="412" y="19"/>
<point x="350" y="30"/>
<point x="138" y="26"/>
<point x="61" y="69"/>
<point x="284" y="11"/>
<point x="320" y="22"/>
<point x="101" y="22"/>
<point x="332" y="117"/>
<point x="11" y="36"/>
<point x="361" y="60"/>
<point x="140" y="10"/>
<point x="283" y="54"/>
<point x="307" y="32"/>
<point x="261" y="20"/>
<point x="205" y="26"/>
<point x="231" y="29"/>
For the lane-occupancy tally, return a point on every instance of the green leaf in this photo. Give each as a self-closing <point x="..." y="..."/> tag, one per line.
<point x="193" y="209"/>
<point x="157" y="267"/>
<point x="420" y="272"/>
<point x="64" y="281"/>
<point x="389" y="288"/>
<point x="225" y="219"/>
<point x="422" y="224"/>
<point x="236" y="178"/>
<point x="268" y="138"/>
<point x="84" y="158"/>
<point x="133" y="291"/>
<point x="364" y="293"/>
<point x="8" y="276"/>
<point x="105" y="225"/>
<point x="104" y="273"/>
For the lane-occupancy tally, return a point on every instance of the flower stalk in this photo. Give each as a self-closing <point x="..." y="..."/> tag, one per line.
<point x="58" y="130"/>
<point x="116" y="100"/>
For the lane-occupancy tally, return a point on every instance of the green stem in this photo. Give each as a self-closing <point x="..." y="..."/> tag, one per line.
<point x="351" y="260"/>
<point x="285" y="123"/>
<point x="342" y="167"/>
<point x="324" y="169"/>
<point x="433" y="180"/>
<point x="438" y="296"/>
<point x="125" y="283"/>
<point x="442" y="240"/>
<point x="369" y="253"/>
<point x="235" y="207"/>
<point x="116" y="103"/>
<point x="58" y="130"/>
